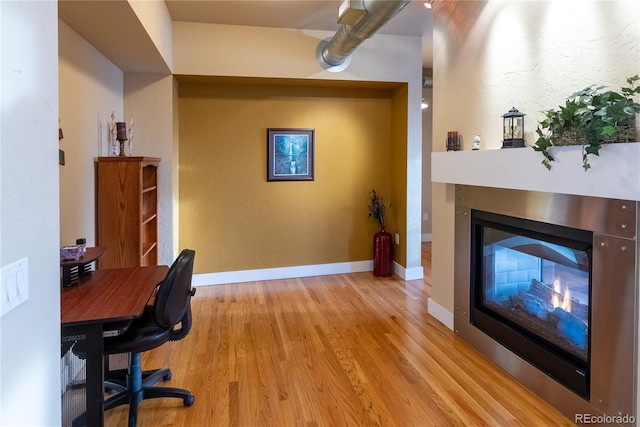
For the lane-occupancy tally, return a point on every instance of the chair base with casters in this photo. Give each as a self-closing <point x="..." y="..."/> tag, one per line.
<point x="133" y="385"/>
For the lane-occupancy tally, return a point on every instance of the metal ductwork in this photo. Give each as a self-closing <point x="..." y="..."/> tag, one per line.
<point x="335" y="52"/>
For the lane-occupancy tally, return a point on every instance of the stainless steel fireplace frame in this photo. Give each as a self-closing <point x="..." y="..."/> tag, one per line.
<point x="614" y="294"/>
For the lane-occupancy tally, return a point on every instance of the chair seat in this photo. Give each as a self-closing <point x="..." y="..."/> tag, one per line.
<point x="142" y="335"/>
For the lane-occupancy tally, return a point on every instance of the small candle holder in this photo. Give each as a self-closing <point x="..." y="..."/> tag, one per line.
<point x="453" y="141"/>
<point x="121" y="136"/>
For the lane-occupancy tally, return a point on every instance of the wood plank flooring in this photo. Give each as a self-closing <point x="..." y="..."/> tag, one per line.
<point x="341" y="350"/>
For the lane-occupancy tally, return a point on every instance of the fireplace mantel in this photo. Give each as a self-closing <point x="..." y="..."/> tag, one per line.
<point x="615" y="174"/>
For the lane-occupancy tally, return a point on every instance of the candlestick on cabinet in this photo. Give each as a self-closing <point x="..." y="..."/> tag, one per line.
<point x="121" y="136"/>
<point x="121" y="128"/>
<point x="130" y="151"/>
<point x="113" y="145"/>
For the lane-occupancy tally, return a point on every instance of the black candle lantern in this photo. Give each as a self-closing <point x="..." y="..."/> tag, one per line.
<point x="513" y="128"/>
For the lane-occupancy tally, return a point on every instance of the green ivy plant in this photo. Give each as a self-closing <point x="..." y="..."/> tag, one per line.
<point x="594" y="114"/>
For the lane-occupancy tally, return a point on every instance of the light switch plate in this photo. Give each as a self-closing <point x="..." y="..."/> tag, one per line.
<point x="14" y="286"/>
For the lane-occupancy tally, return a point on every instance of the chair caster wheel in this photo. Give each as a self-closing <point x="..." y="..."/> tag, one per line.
<point x="188" y="401"/>
<point x="167" y="377"/>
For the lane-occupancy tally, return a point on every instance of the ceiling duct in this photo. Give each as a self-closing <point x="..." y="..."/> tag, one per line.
<point x="333" y="54"/>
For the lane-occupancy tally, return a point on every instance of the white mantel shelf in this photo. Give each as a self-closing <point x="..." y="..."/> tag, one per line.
<point x="615" y="174"/>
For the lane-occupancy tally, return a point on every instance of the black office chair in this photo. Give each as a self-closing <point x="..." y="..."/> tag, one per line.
<point x="168" y="319"/>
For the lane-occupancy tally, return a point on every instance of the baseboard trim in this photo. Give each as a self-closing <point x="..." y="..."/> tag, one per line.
<point x="441" y="314"/>
<point x="240" y="276"/>
<point x="280" y="273"/>
<point x="426" y="237"/>
<point x="413" y="273"/>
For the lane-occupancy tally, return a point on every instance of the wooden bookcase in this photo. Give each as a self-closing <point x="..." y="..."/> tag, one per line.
<point x="127" y="211"/>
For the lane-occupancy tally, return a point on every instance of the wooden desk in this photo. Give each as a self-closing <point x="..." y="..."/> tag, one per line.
<point x="102" y="300"/>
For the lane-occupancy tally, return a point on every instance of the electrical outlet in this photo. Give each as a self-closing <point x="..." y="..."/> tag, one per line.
<point x="425" y="217"/>
<point x="397" y="239"/>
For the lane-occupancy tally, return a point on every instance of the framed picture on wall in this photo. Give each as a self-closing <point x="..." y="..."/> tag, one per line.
<point x="290" y="154"/>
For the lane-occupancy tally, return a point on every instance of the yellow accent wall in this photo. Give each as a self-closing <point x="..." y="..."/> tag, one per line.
<point x="236" y="220"/>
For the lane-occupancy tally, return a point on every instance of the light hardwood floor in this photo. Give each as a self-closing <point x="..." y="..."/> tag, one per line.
<point x="341" y="350"/>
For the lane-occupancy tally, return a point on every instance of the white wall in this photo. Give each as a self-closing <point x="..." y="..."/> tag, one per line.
<point x="491" y="56"/>
<point x="29" y="219"/>
<point x="149" y="100"/>
<point x="427" y="144"/>
<point x="275" y="52"/>
<point x="90" y="88"/>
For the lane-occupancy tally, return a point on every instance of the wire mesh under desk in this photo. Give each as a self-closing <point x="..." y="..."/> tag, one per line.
<point x="73" y="382"/>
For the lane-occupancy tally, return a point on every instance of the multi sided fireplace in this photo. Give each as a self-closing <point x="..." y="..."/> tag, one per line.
<point x="530" y="291"/>
<point x="545" y="285"/>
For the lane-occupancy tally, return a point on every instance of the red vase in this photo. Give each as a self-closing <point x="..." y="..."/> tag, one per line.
<point x="382" y="254"/>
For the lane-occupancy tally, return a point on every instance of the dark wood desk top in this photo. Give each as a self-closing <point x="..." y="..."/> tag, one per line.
<point x="92" y="254"/>
<point x="111" y="295"/>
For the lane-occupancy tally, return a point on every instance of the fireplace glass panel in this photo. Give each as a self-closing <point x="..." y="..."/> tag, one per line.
<point x="540" y="287"/>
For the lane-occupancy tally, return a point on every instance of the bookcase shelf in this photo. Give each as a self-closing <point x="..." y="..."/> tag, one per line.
<point x="128" y="211"/>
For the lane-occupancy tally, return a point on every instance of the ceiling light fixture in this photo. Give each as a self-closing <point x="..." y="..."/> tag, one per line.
<point x="424" y="104"/>
<point x="429" y="4"/>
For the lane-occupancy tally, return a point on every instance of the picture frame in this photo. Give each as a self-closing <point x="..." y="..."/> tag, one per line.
<point x="290" y="154"/>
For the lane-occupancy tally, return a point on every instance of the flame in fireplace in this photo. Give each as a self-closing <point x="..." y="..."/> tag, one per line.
<point x="566" y="301"/>
<point x="565" y="304"/>
<point x="555" y="299"/>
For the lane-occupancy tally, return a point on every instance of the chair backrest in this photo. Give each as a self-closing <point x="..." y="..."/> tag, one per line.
<point x="172" y="299"/>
